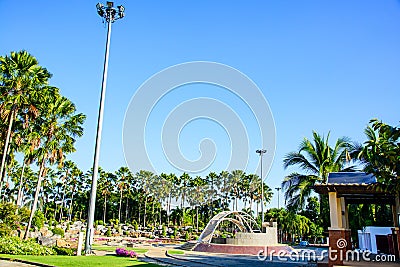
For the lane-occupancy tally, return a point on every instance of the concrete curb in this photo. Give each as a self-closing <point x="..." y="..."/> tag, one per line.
<point x="159" y="260"/>
<point x="189" y="260"/>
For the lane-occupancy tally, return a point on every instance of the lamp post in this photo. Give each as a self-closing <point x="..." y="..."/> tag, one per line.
<point x="261" y="152"/>
<point x="110" y="14"/>
<point x="278" y="188"/>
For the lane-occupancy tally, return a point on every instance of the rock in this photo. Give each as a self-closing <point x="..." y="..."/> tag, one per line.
<point x="34" y="234"/>
<point x="14" y="233"/>
<point x="44" y="231"/>
<point x="46" y="241"/>
<point x="62" y="243"/>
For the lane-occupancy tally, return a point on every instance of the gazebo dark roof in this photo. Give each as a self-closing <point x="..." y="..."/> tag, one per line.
<point x="356" y="188"/>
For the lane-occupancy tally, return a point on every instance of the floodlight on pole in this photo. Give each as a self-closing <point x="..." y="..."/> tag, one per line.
<point x="261" y="152"/>
<point x="277" y="189"/>
<point x="110" y="15"/>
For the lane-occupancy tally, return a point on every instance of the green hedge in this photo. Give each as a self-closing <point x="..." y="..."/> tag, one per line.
<point x="15" y="246"/>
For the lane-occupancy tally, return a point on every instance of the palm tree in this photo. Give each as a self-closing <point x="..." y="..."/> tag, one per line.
<point x="197" y="195"/>
<point x="225" y="186"/>
<point x="21" y="80"/>
<point x="237" y="178"/>
<point x="146" y="179"/>
<point x="123" y="175"/>
<point x="75" y="182"/>
<point x="317" y="160"/>
<point x="59" y="126"/>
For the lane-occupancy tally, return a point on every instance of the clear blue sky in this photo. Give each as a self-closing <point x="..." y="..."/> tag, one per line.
<point x="322" y="65"/>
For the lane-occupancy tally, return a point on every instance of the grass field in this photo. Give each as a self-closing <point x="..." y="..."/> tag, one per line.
<point x="82" y="261"/>
<point x="175" y="252"/>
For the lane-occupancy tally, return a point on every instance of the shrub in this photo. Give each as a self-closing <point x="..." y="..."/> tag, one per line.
<point x="100" y="222"/>
<point x="108" y="233"/>
<point x="8" y="219"/>
<point x="38" y="219"/>
<point x="164" y="231"/>
<point x="187" y="236"/>
<point x="24" y="214"/>
<point x="135" y="225"/>
<point x="64" y="251"/>
<point x="15" y="246"/>
<point x="58" y="231"/>
<point x="125" y="253"/>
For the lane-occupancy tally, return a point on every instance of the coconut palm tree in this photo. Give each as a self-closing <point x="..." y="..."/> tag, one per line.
<point x="317" y="159"/>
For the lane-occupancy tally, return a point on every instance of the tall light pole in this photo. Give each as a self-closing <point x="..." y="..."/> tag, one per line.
<point x="261" y="152"/>
<point x="110" y="14"/>
<point x="278" y="188"/>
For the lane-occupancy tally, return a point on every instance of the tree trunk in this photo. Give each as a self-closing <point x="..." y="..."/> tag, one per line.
<point x="145" y="212"/>
<point x="105" y="209"/>
<point x="126" y="210"/>
<point x="72" y="202"/>
<point x="62" y="205"/>
<point x="35" y="201"/>
<point x="197" y="220"/>
<point x="120" y="205"/>
<point x="152" y="214"/>
<point x="21" y="180"/>
<point x="6" y="144"/>
<point x="168" y="208"/>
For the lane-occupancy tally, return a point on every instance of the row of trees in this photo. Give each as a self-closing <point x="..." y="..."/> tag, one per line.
<point x="143" y="197"/>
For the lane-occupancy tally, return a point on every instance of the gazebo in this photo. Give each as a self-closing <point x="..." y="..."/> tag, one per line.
<point x="345" y="188"/>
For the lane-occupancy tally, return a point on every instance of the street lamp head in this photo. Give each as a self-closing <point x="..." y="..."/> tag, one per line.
<point x="100" y="9"/>
<point x="121" y="10"/>
<point x="109" y="12"/>
<point x="261" y="151"/>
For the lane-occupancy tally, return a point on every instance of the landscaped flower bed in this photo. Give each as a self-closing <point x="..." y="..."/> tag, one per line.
<point x="125" y="253"/>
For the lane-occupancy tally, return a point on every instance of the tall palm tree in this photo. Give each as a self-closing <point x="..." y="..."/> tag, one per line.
<point x="197" y="193"/>
<point x="123" y="175"/>
<point x="21" y="79"/>
<point x="146" y="179"/>
<point x="225" y="186"/>
<point x="317" y="159"/>
<point x="59" y="127"/>
<point x="237" y="178"/>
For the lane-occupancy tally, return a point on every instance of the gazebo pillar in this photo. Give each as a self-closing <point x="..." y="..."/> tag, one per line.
<point x="339" y="237"/>
<point x="396" y="230"/>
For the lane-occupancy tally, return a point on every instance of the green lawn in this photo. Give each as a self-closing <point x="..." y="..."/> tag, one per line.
<point x="112" y="249"/>
<point x="84" y="261"/>
<point x="175" y="252"/>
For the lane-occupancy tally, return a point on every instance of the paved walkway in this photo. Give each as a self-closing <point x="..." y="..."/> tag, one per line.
<point x="4" y="263"/>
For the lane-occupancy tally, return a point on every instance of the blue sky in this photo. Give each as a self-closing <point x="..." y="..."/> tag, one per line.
<point x="321" y="65"/>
